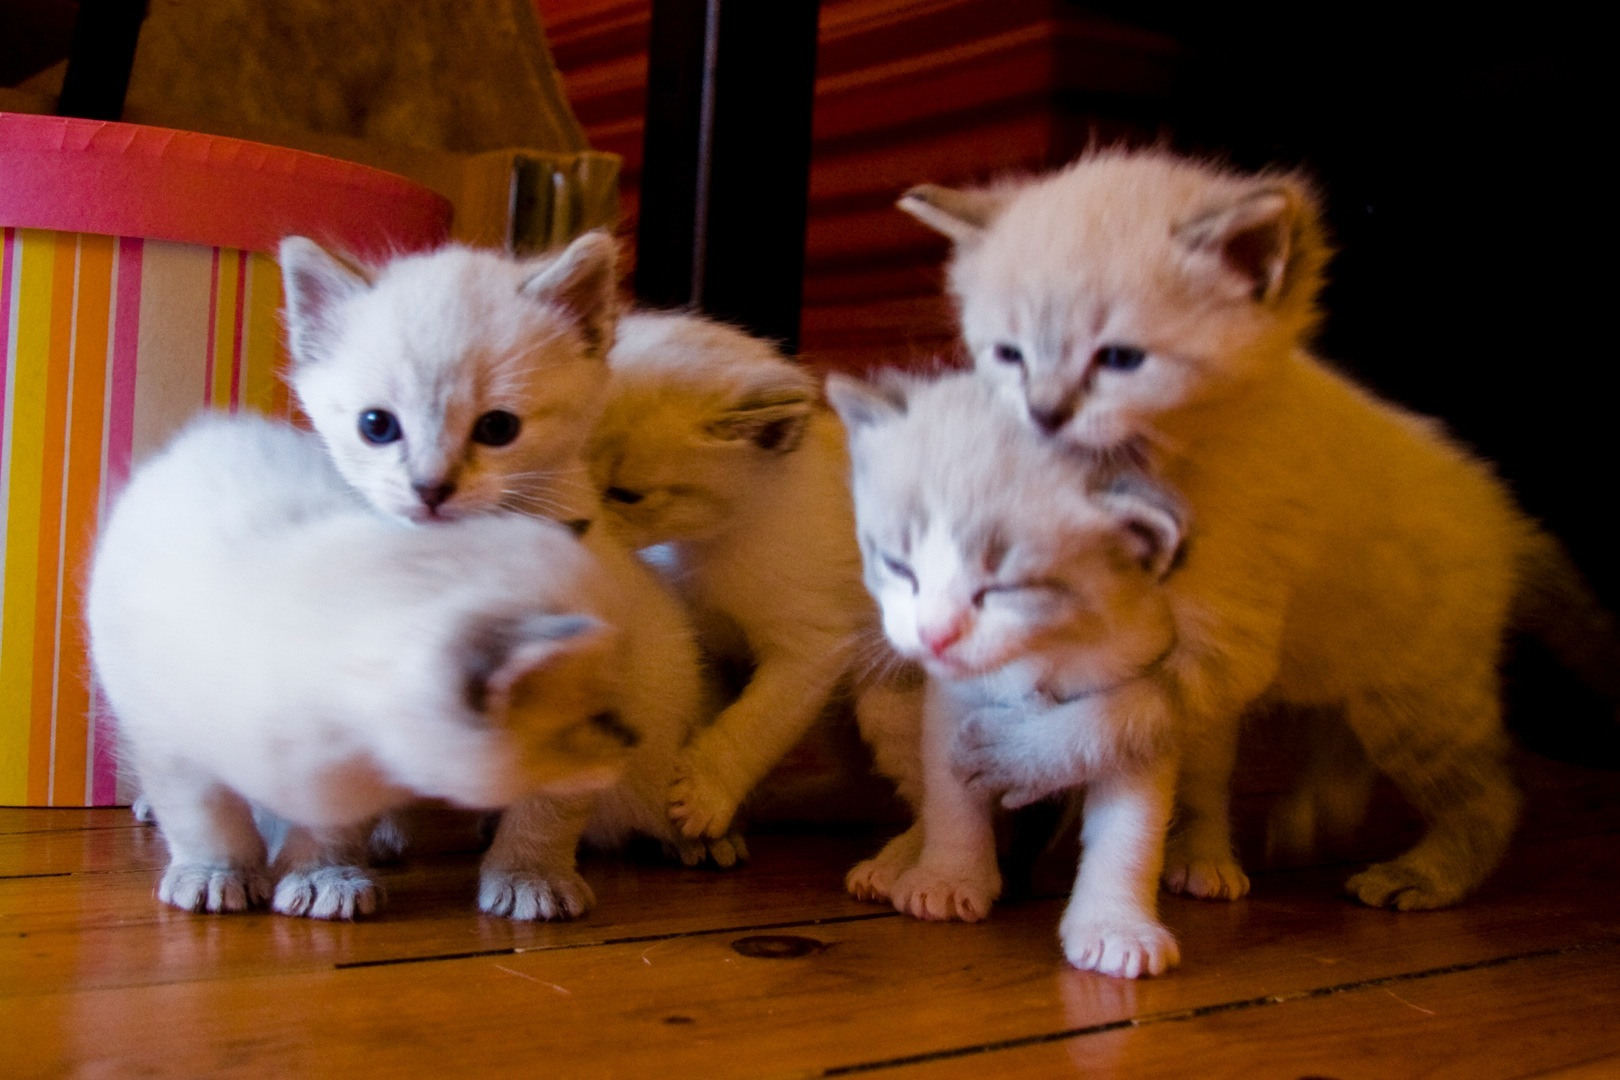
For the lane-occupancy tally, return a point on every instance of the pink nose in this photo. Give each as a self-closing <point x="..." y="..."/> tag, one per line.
<point x="939" y="638"/>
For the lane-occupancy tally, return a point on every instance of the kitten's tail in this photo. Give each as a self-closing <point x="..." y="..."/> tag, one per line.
<point x="1555" y="605"/>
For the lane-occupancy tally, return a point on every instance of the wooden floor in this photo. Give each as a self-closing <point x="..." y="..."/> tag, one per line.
<point x="771" y="971"/>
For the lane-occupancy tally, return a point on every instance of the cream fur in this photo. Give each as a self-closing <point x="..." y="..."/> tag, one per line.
<point x="1349" y="554"/>
<point x="1042" y="634"/>
<point x="712" y="447"/>
<point x="266" y="639"/>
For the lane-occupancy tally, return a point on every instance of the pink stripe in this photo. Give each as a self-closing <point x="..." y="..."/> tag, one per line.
<point x="8" y="276"/>
<point x="120" y="442"/>
<point x="213" y="321"/>
<point x="236" y="331"/>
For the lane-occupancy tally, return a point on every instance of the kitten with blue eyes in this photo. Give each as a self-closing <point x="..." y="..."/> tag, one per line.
<point x="456" y="381"/>
<point x="1043" y="634"/>
<point x="1350" y="555"/>
<point x="713" y="450"/>
<point x="461" y="382"/>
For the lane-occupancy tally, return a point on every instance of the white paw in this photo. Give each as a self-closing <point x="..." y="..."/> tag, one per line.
<point x="700" y="804"/>
<point x="388" y="841"/>
<point x="191" y="887"/>
<point x="142" y="809"/>
<point x="517" y="894"/>
<point x="1400" y="885"/>
<point x="725" y="852"/>
<point x="326" y="892"/>
<point x="874" y="878"/>
<point x="1204" y="877"/>
<point x="937" y="894"/>
<point x="1124" y="948"/>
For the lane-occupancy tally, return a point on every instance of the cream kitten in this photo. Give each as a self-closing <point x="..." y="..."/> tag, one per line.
<point x="1349" y="553"/>
<point x="1037" y="611"/>
<point x="266" y="639"/>
<point x="712" y="445"/>
<point x="456" y="381"/>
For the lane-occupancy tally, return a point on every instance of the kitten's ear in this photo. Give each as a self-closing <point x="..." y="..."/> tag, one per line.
<point x="865" y="404"/>
<point x="315" y="282"/>
<point x="961" y="215"/>
<point x="507" y="662"/>
<point x="772" y="415"/>
<point x="1151" y="524"/>
<point x="582" y="280"/>
<point x="1249" y="249"/>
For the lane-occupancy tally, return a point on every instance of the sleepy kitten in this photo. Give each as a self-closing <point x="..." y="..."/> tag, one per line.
<point x="268" y="641"/>
<point x="1037" y="610"/>
<point x="712" y="445"/>
<point x="456" y="381"/>
<point x="1350" y="555"/>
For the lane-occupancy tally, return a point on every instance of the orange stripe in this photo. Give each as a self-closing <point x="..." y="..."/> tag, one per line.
<point x="50" y="520"/>
<point x="83" y="482"/>
<point x="227" y="269"/>
<point x="259" y="353"/>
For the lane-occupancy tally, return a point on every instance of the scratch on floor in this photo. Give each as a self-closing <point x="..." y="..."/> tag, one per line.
<point x="1408" y="1004"/>
<point x="563" y="990"/>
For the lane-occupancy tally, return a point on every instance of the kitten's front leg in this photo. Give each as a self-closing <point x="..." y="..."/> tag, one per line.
<point x="1111" y="925"/>
<point x="725" y="760"/>
<point x="216" y="856"/>
<point x="955" y="875"/>
<point x="1199" y="860"/>
<point x="322" y="874"/>
<point x="530" y="871"/>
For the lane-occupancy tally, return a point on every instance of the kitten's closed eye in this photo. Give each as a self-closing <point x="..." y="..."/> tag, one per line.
<point x="496" y="428"/>
<point x="380" y="427"/>
<point x="1119" y="357"/>
<point x="1009" y="354"/>
<point x="901" y="571"/>
<point x="1034" y="588"/>
<point x="623" y="495"/>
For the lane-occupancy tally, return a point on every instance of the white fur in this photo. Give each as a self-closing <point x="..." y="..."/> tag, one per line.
<point x="265" y="638"/>
<point x="440" y="340"/>
<point x="711" y="445"/>
<point x="1036" y="609"/>
<point x="1348" y="554"/>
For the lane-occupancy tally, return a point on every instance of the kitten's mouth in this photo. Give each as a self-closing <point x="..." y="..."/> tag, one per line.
<point x="429" y="515"/>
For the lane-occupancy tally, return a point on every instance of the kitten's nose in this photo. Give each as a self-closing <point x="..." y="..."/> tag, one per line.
<point x="936" y="639"/>
<point x="434" y="493"/>
<point x="1050" y="418"/>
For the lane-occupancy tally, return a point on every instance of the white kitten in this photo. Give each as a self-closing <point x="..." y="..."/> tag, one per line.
<point x="267" y="639"/>
<point x="712" y="445"/>
<point x="1349" y="554"/>
<point x="455" y="381"/>
<point x="1037" y="610"/>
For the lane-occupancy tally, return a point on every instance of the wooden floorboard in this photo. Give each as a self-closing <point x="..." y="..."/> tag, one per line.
<point x="771" y="971"/>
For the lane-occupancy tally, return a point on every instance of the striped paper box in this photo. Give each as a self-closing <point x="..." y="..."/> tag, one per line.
<point x="135" y="289"/>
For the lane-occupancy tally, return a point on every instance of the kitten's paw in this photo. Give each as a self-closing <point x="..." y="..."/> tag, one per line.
<point x="874" y="878"/>
<point x="700" y="804"/>
<point x="213" y="888"/>
<point x="517" y="894"/>
<point x="1400" y="885"/>
<point x="141" y="807"/>
<point x="327" y="892"/>
<point x="388" y="841"/>
<point x="1204" y="878"/>
<point x="1124" y="948"/>
<point x="939" y="894"/>
<point x="724" y="853"/>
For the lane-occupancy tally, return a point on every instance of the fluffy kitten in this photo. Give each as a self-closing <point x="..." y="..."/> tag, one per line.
<point x="1037" y="610"/>
<point x="463" y="382"/>
<point x="1349" y="553"/>
<point x="266" y="639"/>
<point x="455" y="381"/>
<point x="712" y="444"/>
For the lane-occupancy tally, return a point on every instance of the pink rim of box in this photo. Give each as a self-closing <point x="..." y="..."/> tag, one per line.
<point x="91" y="176"/>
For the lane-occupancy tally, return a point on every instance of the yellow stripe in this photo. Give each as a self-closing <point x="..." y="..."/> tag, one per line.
<point x="261" y="360"/>
<point x="224" y="329"/>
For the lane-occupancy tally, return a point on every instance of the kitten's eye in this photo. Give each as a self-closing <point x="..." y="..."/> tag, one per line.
<point x="901" y="571"/>
<point x="624" y="495"/>
<point x="1009" y="354"/>
<point x="1119" y="357"/>
<point x="379" y="426"/>
<point x="496" y="428"/>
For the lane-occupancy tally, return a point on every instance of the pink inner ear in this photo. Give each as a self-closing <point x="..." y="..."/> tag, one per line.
<point x="1259" y="252"/>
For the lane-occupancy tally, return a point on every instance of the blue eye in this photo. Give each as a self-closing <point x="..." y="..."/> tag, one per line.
<point x="1119" y="357"/>
<point x="496" y="428"/>
<point x="379" y="426"/>
<point x="1009" y="354"/>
